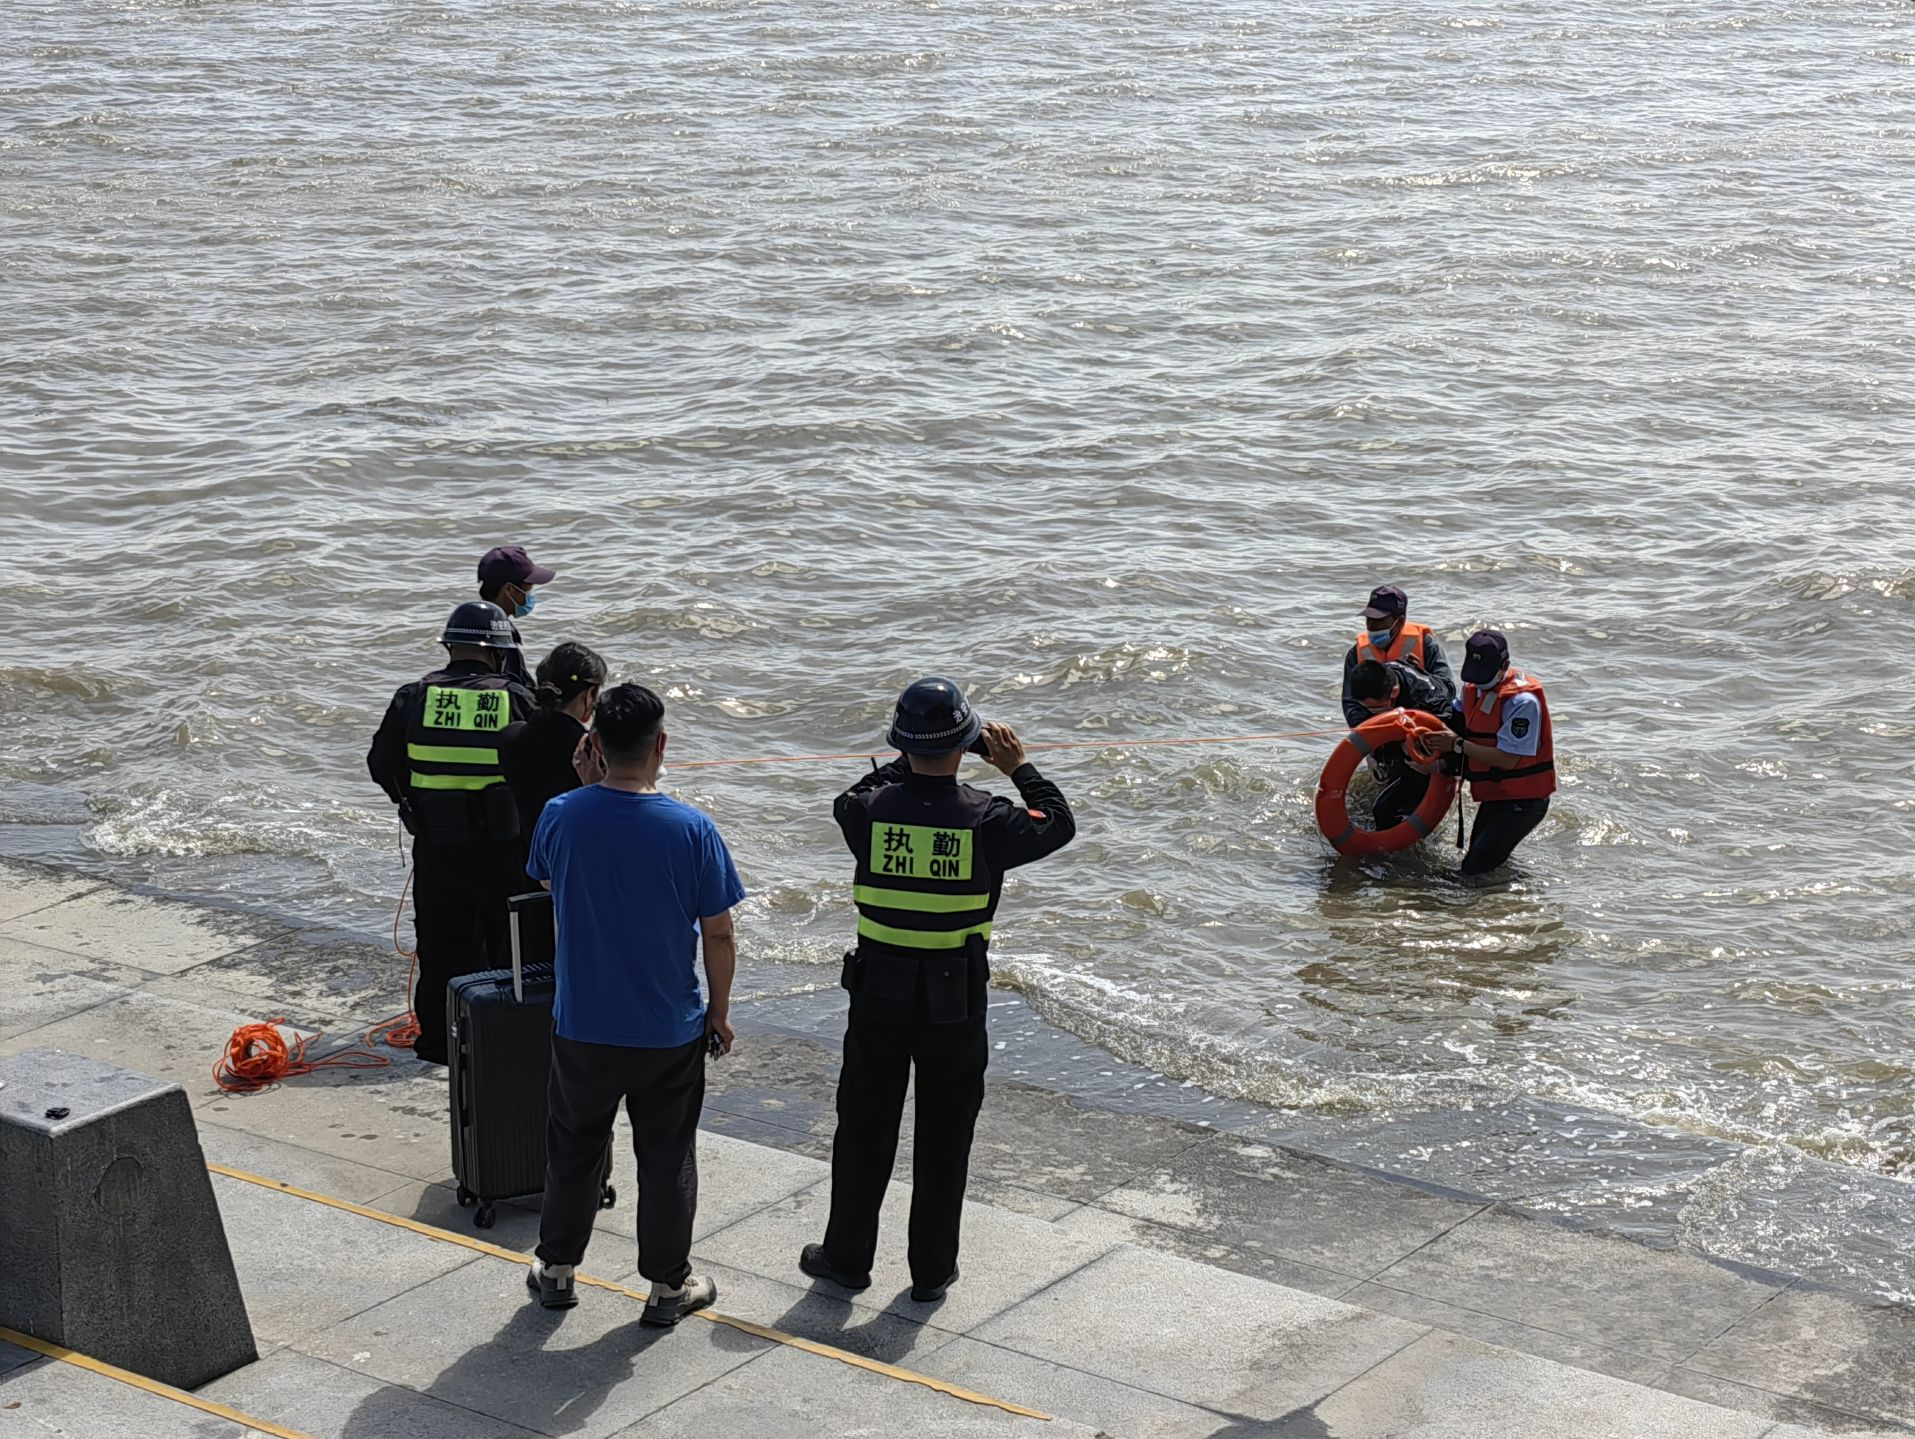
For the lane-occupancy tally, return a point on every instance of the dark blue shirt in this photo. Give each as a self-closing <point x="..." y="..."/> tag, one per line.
<point x="631" y="876"/>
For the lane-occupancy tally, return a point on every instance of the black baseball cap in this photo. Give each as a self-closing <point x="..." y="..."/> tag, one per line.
<point x="511" y="565"/>
<point x="1387" y="602"/>
<point x="1485" y="655"/>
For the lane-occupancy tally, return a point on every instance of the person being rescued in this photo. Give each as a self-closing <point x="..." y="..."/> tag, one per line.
<point x="1502" y="743"/>
<point x="1378" y="687"/>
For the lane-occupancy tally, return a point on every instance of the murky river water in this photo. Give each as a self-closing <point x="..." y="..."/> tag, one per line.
<point x="1102" y="355"/>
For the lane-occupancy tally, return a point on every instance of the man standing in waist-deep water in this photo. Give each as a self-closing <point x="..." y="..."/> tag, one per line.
<point x="1389" y="636"/>
<point x="931" y="855"/>
<point x="436" y="756"/>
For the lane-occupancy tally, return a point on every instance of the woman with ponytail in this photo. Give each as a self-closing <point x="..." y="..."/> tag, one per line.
<point x="537" y="755"/>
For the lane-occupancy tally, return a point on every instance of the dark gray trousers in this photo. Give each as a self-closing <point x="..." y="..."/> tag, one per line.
<point x="663" y="1090"/>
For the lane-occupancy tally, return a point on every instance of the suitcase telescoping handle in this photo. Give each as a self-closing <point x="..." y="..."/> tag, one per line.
<point x="516" y="908"/>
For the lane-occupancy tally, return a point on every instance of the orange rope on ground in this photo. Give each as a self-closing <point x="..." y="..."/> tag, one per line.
<point x="258" y="1056"/>
<point x="402" y="1030"/>
<point x="1054" y="744"/>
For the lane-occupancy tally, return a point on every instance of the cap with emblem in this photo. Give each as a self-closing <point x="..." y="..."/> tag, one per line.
<point x="1485" y="656"/>
<point x="1387" y="602"/>
<point x="933" y="717"/>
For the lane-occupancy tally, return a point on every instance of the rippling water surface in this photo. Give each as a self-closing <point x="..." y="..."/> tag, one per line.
<point x="1102" y="355"/>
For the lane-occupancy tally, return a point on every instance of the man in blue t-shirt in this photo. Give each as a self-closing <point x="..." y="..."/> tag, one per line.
<point x="637" y="880"/>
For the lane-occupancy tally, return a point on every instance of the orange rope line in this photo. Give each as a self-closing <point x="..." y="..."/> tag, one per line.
<point x="402" y="1030"/>
<point x="258" y="1055"/>
<point x="1054" y="744"/>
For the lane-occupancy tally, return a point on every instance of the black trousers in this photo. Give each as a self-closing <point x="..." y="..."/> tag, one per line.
<point x="1403" y="788"/>
<point x="458" y="911"/>
<point x="878" y="1058"/>
<point x="1499" y="826"/>
<point x="663" y="1090"/>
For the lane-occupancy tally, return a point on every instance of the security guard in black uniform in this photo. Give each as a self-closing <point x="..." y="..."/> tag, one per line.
<point x="436" y="756"/>
<point x="931" y="858"/>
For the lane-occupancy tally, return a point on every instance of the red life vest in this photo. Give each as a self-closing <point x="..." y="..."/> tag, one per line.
<point x="1483" y="722"/>
<point x="1412" y="645"/>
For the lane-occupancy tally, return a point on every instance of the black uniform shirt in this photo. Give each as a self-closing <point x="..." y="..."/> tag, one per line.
<point x="386" y="761"/>
<point x="1012" y="834"/>
<point x="1438" y="670"/>
<point x="537" y="756"/>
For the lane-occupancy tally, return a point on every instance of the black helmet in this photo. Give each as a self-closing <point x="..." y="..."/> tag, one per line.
<point x="933" y="718"/>
<point x="481" y="625"/>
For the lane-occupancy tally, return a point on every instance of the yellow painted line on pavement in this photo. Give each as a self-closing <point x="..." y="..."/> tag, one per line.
<point x="743" y="1326"/>
<point x="151" y="1386"/>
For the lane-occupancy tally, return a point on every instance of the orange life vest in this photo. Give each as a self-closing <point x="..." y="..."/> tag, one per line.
<point x="1483" y="722"/>
<point x="1412" y="644"/>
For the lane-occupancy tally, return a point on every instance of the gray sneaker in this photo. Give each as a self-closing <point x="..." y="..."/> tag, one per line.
<point x="552" y="1283"/>
<point x="668" y="1305"/>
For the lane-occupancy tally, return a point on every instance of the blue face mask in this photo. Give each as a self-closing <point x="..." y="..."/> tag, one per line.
<point x="1380" y="638"/>
<point x="525" y="607"/>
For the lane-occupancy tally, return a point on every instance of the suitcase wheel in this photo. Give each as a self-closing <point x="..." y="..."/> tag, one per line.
<point x="608" y="1197"/>
<point x="485" y="1218"/>
<point x="467" y="1198"/>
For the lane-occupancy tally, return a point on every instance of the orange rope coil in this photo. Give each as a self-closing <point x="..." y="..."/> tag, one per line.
<point x="258" y="1056"/>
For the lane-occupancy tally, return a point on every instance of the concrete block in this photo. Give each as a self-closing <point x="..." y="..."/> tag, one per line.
<point x="1824" y="1348"/>
<point x="1253" y="1259"/>
<point x="1586" y="1286"/>
<point x="476" y="1339"/>
<point x="306" y="1267"/>
<point x="329" y="1401"/>
<point x="789" y="1395"/>
<point x="58" y="1401"/>
<point x="1198" y="1335"/>
<point x="1004" y="1257"/>
<point x="142" y="933"/>
<point x="1488" y="1329"/>
<point x="1115" y="1408"/>
<point x="42" y="986"/>
<point x="113" y="1244"/>
<point x="24" y="889"/>
<point x="1448" y="1387"/>
<point x="1249" y="1196"/>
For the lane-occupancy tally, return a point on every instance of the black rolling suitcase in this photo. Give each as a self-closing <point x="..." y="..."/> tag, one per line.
<point x="499" y="1047"/>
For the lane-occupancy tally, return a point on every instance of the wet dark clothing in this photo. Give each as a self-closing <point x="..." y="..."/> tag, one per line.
<point x="1439" y="674"/>
<point x="1497" y="827"/>
<point x="932" y="855"/>
<point x="1404" y="788"/>
<point x="538" y="763"/>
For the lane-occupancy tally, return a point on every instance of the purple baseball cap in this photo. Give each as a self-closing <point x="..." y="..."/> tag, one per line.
<point x="1387" y="602"/>
<point x="511" y="565"/>
<point x="1485" y="655"/>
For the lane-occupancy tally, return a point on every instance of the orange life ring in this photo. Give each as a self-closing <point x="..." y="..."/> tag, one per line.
<point x="1404" y="727"/>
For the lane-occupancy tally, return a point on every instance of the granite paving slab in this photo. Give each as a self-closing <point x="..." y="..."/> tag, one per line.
<point x="1252" y="1259"/>
<point x="476" y="1339"/>
<point x="43" y="985"/>
<point x="330" y="1401"/>
<point x="394" y="1118"/>
<point x="24" y="889"/>
<point x="1510" y="1334"/>
<point x="788" y="1395"/>
<point x="1826" y="1348"/>
<point x="1249" y="1196"/>
<point x="1004" y="1257"/>
<point x="45" y="1400"/>
<point x="823" y="1314"/>
<point x="304" y="1266"/>
<point x="1198" y="1335"/>
<point x="12" y="1356"/>
<point x="159" y="935"/>
<point x="1799" y="1415"/>
<point x="1448" y="1387"/>
<point x="1041" y="1140"/>
<point x="1114" y="1408"/>
<point x="1594" y="1287"/>
<point x="294" y="1164"/>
